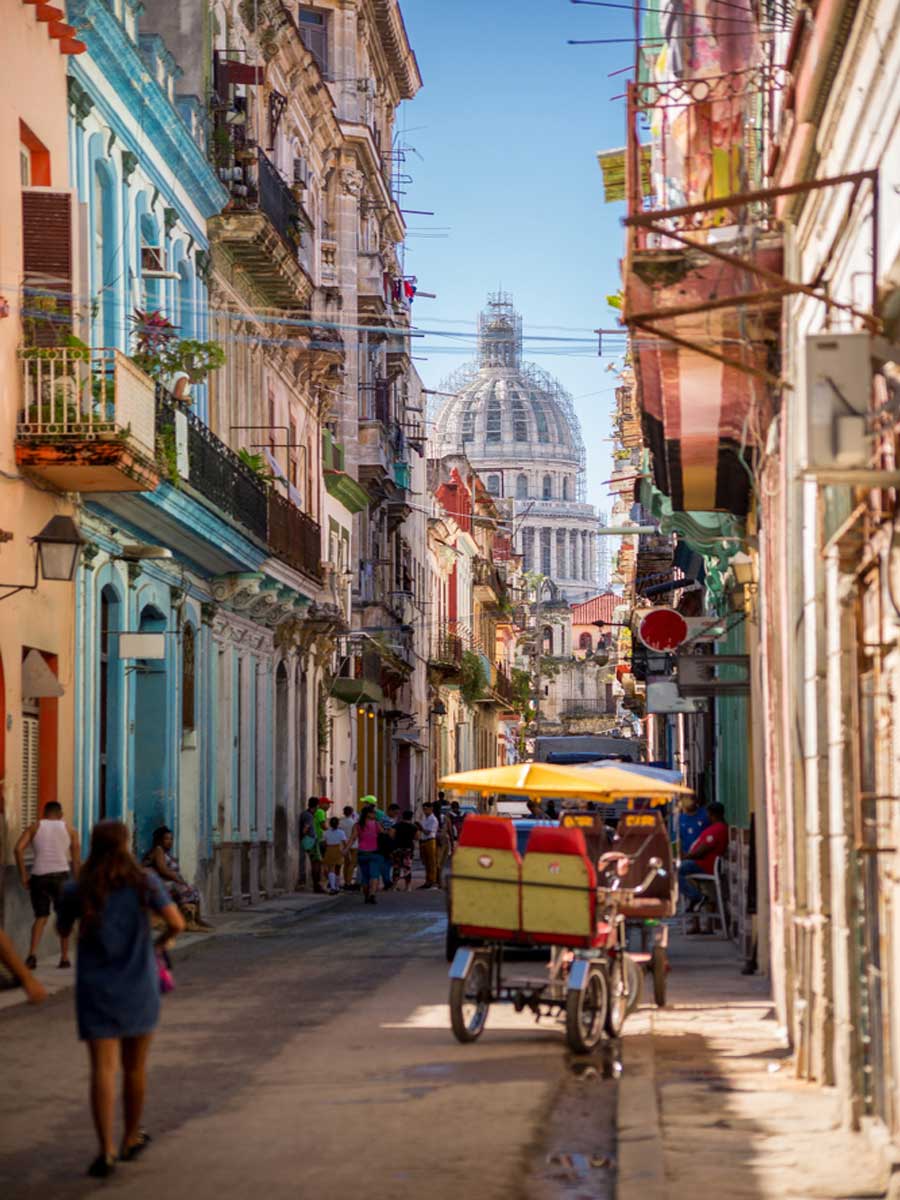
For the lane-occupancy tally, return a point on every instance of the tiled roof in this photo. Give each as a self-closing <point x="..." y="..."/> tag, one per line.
<point x="598" y="608"/>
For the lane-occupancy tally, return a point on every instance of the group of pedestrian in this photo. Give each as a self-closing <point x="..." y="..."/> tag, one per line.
<point x="373" y="849"/>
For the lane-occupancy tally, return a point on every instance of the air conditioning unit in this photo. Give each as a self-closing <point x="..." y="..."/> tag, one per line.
<point x="838" y="400"/>
<point x="153" y="263"/>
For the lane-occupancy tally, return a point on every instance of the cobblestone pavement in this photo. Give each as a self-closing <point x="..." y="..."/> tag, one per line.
<point x="308" y="1054"/>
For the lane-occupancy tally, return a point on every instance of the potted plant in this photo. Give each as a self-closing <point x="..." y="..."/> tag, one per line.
<point x="171" y="360"/>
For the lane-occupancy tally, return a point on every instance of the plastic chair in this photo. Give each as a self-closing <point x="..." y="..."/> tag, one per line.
<point x="485" y="879"/>
<point x="711" y="886"/>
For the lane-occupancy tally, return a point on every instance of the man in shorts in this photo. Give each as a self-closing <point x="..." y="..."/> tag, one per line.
<point x="56" y="850"/>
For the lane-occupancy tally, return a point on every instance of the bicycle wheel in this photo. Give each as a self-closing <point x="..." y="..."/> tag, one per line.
<point x="634" y="977"/>
<point x="470" y="999"/>
<point x="617" y="1008"/>
<point x="659" y="969"/>
<point x="586" y="1013"/>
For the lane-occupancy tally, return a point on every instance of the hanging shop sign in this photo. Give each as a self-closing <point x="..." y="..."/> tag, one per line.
<point x="662" y="629"/>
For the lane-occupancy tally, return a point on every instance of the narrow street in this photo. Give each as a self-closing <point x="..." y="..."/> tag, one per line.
<point x="314" y="1057"/>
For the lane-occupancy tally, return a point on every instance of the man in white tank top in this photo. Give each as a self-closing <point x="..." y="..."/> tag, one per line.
<point x="56" y="850"/>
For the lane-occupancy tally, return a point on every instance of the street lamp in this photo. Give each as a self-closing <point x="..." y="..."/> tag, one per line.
<point x="57" y="548"/>
<point x="743" y="567"/>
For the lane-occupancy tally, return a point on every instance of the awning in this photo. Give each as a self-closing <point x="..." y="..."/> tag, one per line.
<point x="657" y="588"/>
<point x="411" y="740"/>
<point x="357" y="691"/>
<point x="37" y="678"/>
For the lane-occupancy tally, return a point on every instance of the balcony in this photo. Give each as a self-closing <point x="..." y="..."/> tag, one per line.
<point x="261" y="232"/>
<point x="503" y="687"/>
<point x="370" y="283"/>
<point x="489" y="583"/>
<point x="192" y="453"/>
<point x="294" y="537"/>
<point x="446" y="658"/>
<point x="378" y="441"/>
<point x="87" y="421"/>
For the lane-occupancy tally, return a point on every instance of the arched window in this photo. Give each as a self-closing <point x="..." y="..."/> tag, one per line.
<point x="522" y="487"/>
<point x="540" y="417"/>
<point x="547" y="488"/>
<point x="105" y="253"/>
<point x="520" y="422"/>
<point x="493" y="484"/>
<point x="468" y="425"/>
<point x="150" y="240"/>
<point x="584" y="642"/>
<point x="186" y="309"/>
<point x="547" y="640"/>
<point x="493" y="429"/>
<point x="188" y="680"/>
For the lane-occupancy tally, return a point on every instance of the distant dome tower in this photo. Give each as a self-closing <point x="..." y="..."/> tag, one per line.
<point x="518" y="428"/>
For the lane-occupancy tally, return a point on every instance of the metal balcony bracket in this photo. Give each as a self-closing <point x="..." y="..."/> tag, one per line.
<point x="660" y="222"/>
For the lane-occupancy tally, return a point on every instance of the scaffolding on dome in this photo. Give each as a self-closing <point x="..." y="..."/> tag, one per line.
<point x="500" y="350"/>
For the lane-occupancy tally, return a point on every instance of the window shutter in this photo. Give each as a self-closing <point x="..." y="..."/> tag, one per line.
<point x="47" y="266"/>
<point x="30" y="733"/>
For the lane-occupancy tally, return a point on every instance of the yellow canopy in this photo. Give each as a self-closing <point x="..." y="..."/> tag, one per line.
<point x="551" y="780"/>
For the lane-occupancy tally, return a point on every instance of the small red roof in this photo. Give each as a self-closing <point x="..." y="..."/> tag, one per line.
<point x="598" y="608"/>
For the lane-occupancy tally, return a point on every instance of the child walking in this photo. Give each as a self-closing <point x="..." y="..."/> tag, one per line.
<point x="335" y="844"/>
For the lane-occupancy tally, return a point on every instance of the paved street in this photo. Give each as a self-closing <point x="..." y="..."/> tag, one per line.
<point x="313" y="1057"/>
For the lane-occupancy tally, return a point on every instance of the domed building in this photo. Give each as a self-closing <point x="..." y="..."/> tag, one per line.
<point x="518" y="429"/>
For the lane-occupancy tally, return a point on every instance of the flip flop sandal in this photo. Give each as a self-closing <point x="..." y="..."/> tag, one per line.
<point x="102" y="1166"/>
<point x="130" y="1153"/>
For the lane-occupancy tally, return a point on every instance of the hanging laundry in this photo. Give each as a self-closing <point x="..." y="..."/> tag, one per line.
<point x="409" y="290"/>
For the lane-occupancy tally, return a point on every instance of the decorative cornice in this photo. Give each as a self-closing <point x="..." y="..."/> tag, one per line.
<point x="80" y="103"/>
<point x="125" y="74"/>
<point x="129" y="164"/>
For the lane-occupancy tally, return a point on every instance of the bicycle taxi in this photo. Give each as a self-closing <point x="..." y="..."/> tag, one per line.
<point x="572" y="892"/>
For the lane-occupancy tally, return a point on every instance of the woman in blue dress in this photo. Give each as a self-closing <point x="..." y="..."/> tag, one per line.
<point x="117" y="979"/>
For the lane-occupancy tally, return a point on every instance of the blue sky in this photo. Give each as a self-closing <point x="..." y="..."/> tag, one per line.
<point x="505" y="132"/>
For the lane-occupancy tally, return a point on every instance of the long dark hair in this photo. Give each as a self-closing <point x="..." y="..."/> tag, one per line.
<point x="368" y="811"/>
<point x="110" y="866"/>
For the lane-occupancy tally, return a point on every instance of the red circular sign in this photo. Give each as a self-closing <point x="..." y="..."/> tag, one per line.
<point x="662" y="629"/>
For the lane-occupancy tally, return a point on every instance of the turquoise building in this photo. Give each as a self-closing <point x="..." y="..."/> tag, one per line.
<point x="175" y="726"/>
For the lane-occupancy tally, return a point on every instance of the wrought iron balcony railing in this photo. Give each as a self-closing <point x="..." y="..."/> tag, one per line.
<point x="294" y="537"/>
<point x="277" y="202"/>
<point x="213" y="468"/>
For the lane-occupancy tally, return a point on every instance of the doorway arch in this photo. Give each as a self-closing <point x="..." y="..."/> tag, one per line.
<point x="282" y="737"/>
<point x="151" y="740"/>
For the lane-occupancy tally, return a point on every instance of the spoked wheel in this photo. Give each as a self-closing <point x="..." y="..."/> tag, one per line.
<point x="470" y="999"/>
<point x="634" y="980"/>
<point x="617" y="1009"/>
<point x="659" y="969"/>
<point x="586" y="1013"/>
